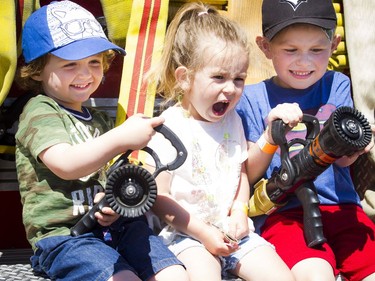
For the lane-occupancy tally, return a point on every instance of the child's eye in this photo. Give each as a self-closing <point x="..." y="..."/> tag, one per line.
<point x="290" y="50"/>
<point x="316" y="50"/>
<point x="96" y="62"/>
<point x="239" y="81"/>
<point x="69" y="65"/>
<point x="218" y="77"/>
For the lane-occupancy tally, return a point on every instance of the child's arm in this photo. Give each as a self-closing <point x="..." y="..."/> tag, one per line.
<point x="257" y="162"/>
<point x="169" y="210"/>
<point x="75" y="161"/>
<point x="238" y="223"/>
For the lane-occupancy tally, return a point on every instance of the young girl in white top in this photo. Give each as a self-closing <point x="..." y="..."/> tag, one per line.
<point x="204" y="202"/>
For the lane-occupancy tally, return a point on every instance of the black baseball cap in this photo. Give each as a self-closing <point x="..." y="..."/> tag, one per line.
<point x="278" y="14"/>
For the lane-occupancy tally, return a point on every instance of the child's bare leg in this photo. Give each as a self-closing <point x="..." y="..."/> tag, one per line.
<point x="313" y="269"/>
<point x="200" y="264"/>
<point x="171" y="273"/>
<point x="264" y="264"/>
<point x="124" y="275"/>
<point x="371" y="277"/>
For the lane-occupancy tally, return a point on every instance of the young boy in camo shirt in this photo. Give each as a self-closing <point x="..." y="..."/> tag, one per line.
<point x="62" y="148"/>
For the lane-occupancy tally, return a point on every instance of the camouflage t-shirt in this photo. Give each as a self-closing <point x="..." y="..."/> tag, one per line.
<point x="51" y="205"/>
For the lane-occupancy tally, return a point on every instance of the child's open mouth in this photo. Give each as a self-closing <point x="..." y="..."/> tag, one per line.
<point x="220" y="108"/>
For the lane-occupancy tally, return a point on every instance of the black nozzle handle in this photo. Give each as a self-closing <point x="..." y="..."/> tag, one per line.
<point x="312" y="221"/>
<point x="177" y="144"/>
<point x="159" y="167"/>
<point x="88" y="221"/>
<point x="278" y="129"/>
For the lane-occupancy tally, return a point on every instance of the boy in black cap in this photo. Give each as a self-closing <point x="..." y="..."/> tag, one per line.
<point x="62" y="149"/>
<point x="299" y="37"/>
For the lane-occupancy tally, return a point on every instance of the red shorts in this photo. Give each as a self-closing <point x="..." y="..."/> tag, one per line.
<point x="350" y="247"/>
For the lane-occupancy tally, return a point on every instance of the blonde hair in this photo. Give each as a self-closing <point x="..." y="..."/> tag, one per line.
<point x="26" y="72"/>
<point x="193" y="24"/>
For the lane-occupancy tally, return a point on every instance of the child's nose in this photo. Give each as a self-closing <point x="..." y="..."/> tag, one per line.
<point x="84" y="71"/>
<point x="303" y="59"/>
<point x="229" y="87"/>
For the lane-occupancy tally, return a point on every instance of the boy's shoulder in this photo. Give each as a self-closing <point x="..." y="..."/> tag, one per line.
<point x="333" y="81"/>
<point x="336" y="77"/>
<point x="260" y="84"/>
<point x="37" y="105"/>
<point x="259" y="87"/>
<point x="38" y="100"/>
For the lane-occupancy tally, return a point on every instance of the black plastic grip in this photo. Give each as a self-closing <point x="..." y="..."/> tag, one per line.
<point x="278" y="129"/>
<point x="312" y="223"/>
<point x="178" y="146"/>
<point x="88" y="221"/>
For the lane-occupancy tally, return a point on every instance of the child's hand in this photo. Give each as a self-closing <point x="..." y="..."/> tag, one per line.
<point x="106" y="216"/>
<point x="290" y="113"/>
<point x="348" y="160"/>
<point x="238" y="224"/>
<point x="371" y="144"/>
<point x="215" y="242"/>
<point x="138" y="129"/>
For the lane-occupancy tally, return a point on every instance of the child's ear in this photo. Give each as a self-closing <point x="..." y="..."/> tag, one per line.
<point x="335" y="42"/>
<point x="36" y="77"/>
<point x="182" y="77"/>
<point x="264" y="45"/>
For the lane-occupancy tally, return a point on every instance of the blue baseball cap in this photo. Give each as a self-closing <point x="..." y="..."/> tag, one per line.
<point x="65" y="30"/>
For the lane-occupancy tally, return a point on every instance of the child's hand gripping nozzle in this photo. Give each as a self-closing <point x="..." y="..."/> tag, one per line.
<point x="131" y="189"/>
<point x="344" y="133"/>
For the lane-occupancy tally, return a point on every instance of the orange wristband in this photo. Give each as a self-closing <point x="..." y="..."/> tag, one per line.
<point x="265" y="146"/>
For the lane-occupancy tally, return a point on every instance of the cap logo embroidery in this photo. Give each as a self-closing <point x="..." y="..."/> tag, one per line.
<point x="294" y="3"/>
<point x="71" y="24"/>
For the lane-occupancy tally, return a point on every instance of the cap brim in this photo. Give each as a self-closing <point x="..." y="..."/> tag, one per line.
<point x="323" y="23"/>
<point x="81" y="49"/>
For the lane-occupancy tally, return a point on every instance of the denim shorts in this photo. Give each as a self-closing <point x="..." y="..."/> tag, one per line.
<point x="128" y="245"/>
<point x="228" y="263"/>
